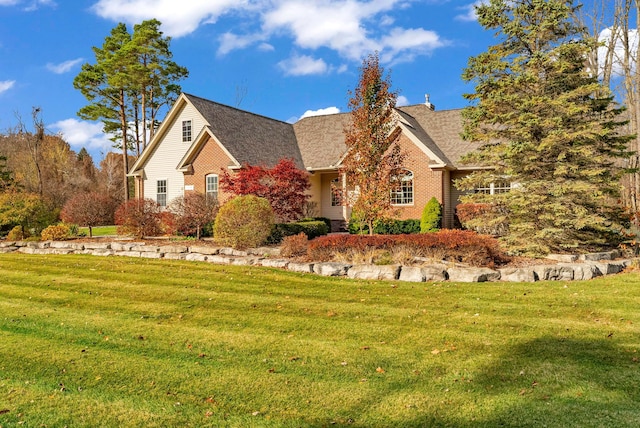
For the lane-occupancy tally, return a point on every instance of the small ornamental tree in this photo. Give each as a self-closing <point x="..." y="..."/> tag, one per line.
<point x="284" y="186"/>
<point x="431" y="216"/>
<point x="243" y="222"/>
<point x="26" y="210"/>
<point x="90" y="210"/>
<point x="193" y="212"/>
<point x="373" y="157"/>
<point x="139" y="217"/>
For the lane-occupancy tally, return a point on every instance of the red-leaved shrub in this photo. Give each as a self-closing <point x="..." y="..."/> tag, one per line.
<point x="455" y="245"/>
<point x="295" y="245"/>
<point x="89" y="209"/>
<point x="139" y="217"/>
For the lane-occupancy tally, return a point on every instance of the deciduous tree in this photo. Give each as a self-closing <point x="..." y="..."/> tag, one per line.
<point x="90" y="210"/>
<point x="284" y="186"/>
<point x="550" y="128"/>
<point x="373" y="157"/>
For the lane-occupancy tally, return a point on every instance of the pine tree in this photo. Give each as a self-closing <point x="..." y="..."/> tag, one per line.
<point x="548" y="130"/>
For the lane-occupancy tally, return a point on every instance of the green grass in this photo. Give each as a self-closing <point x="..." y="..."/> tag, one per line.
<point x="100" y="230"/>
<point x="88" y="341"/>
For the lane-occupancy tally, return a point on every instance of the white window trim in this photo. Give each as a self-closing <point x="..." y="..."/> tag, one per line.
<point x="166" y="191"/>
<point x="405" y="178"/>
<point x="206" y="185"/>
<point x="187" y="130"/>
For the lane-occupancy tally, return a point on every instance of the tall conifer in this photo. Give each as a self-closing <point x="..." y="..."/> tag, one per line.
<point x="548" y="130"/>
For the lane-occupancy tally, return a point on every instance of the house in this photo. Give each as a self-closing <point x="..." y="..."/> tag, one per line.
<point x="200" y="138"/>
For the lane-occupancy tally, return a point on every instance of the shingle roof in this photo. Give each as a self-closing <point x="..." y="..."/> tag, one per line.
<point x="444" y="129"/>
<point x="317" y="142"/>
<point x="321" y="139"/>
<point x="249" y="138"/>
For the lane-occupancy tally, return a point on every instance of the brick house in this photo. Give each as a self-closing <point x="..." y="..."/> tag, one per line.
<point x="200" y="138"/>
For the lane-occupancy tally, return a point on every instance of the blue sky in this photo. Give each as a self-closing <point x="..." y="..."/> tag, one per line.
<point x="278" y="58"/>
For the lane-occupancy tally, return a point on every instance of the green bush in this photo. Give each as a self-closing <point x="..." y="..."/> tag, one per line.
<point x="18" y="234"/>
<point x="56" y="232"/>
<point x="431" y="216"/>
<point x="386" y="227"/>
<point x="326" y="221"/>
<point x="244" y="221"/>
<point x="311" y="228"/>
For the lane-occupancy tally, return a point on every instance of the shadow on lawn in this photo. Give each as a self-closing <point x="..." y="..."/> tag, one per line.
<point x="550" y="381"/>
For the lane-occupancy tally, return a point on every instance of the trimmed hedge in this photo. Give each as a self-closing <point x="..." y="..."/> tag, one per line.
<point x="312" y="229"/>
<point x="453" y="245"/>
<point x="387" y="227"/>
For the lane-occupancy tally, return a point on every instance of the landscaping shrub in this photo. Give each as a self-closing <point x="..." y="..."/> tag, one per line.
<point x="168" y="223"/>
<point x="56" y="232"/>
<point x="193" y="212"/>
<point x="294" y="246"/>
<point x="244" y="221"/>
<point x="483" y="218"/>
<point x="452" y="245"/>
<point x="325" y="220"/>
<point x="312" y="229"/>
<point x="139" y="217"/>
<point x="385" y="227"/>
<point x="18" y="234"/>
<point x="431" y="219"/>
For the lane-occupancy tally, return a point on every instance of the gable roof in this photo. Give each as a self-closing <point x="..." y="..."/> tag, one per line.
<point x="248" y="137"/>
<point x="315" y="142"/>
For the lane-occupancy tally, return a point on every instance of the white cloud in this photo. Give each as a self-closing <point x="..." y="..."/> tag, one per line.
<point x="63" y="67"/>
<point x="404" y="44"/>
<point x="230" y="42"/>
<point x="83" y="134"/>
<point x="320" y="112"/>
<point x="402" y="101"/>
<point x="30" y="6"/>
<point x="178" y="18"/>
<point x="5" y="85"/>
<point x="605" y="37"/>
<point x="469" y="11"/>
<point x="303" y="65"/>
<point x="266" y="47"/>
<point x="352" y="28"/>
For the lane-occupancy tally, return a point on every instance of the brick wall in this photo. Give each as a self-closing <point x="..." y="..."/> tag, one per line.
<point x="211" y="160"/>
<point x="427" y="183"/>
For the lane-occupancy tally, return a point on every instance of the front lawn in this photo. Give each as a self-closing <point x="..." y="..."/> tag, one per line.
<point x="87" y="341"/>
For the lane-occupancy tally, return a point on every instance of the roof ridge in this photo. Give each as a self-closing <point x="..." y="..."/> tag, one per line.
<point x="236" y="108"/>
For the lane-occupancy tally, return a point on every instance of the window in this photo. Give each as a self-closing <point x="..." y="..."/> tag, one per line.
<point x="495" y="188"/>
<point x="186" y="130"/>
<point x="161" y="193"/>
<point x="402" y="190"/>
<point x="336" y="192"/>
<point x="212" y="187"/>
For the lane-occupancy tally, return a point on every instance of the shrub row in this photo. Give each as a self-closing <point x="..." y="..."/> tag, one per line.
<point x="453" y="245"/>
<point x="311" y="228"/>
<point x="386" y="227"/>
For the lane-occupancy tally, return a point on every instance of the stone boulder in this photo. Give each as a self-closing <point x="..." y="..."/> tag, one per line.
<point x="387" y="272"/>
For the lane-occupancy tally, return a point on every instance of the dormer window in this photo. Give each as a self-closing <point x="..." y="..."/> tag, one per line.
<point x="186" y="131"/>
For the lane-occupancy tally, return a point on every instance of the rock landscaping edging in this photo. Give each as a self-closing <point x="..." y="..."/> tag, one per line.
<point x="567" y="268"/>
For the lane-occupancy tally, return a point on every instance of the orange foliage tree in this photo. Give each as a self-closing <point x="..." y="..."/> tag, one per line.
<point x="373" y="155"/>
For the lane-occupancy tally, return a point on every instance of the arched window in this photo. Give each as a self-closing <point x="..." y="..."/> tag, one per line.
<point x="212" y="187"/>
<point x="402" y="189"/>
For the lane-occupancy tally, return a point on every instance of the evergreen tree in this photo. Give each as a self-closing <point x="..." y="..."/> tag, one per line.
<point x="131" y="79"/>
<point x="548" y="130"/>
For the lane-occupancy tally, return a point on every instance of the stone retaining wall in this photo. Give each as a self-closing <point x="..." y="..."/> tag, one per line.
<point x="568" y="267"/>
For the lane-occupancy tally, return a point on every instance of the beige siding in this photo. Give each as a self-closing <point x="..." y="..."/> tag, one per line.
<point x="162" y="164"/>
<point x="326" y="210"/>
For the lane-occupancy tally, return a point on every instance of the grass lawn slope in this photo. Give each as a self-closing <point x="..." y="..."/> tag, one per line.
<point x="88" y="341"/>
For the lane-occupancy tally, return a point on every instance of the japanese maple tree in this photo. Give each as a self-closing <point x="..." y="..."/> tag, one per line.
<point x="285" y="186"/>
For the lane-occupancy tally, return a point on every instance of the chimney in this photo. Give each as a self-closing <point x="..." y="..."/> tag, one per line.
<point x="427" y="103"/>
